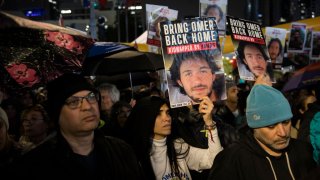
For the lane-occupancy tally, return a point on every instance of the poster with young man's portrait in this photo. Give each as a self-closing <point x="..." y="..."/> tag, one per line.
<point x="248" y="40"/>
<point x="275" y="41"/>
<point x="155" y="15"/>
<point x="315" y="46"/>
<point x="297" y="37"/>
<point x="217" y="9"/>
<point x="299" y="59"/>
<point x="307" y="44"/>
<point x="193" y="61"/>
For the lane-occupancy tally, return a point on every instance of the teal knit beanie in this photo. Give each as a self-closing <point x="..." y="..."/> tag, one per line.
<point x="266" y="106"/>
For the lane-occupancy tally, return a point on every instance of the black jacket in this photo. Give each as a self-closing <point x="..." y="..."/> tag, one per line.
<point x="189" y="126"/>
<point x="226" y="115"/>
<point x="246" y="160"/>
<point x="304" y="131"/>
<point x="54" y="159"/>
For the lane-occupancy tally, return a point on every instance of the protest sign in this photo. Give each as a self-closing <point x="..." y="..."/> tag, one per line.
<point x="249" y="43"/>
<point x="155" y="15"/>
<point x="193" y="61"/>
<point x="217" y="9"/>
<point x="275" y="40"/>
<point x="315" y="46"/>
<point x="297" y="37"/>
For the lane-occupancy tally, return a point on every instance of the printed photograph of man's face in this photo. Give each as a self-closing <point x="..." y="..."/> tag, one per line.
<point x="297" y="38"/>
<point x="193" y="75"/>
<point x="275" y="49"/>
<point x="196" y="78"/>
<point x="253" y="61"/>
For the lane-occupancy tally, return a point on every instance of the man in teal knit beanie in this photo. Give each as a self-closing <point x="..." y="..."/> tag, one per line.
<point x="266" y="151"/>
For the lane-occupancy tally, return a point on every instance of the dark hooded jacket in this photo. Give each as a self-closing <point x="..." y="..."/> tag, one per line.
<point x="54" y="159"/>
<point x="304" y="131"/>
<point x="246" y="160"/>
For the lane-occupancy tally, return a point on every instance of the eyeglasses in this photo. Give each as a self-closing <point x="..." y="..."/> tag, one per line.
<point x="75" y="102"/>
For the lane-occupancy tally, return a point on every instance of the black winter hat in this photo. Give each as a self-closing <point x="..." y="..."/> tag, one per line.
<point x="61" y="88"/>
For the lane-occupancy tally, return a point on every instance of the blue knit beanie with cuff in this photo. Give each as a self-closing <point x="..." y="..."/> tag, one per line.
<point x="266" y="106"/>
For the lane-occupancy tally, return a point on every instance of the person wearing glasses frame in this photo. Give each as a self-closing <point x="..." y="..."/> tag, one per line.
<point x="79" y="150"/>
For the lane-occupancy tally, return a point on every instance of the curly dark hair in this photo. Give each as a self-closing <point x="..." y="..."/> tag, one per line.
<point x="179" y="58"/>
<point x="241" y="56"/>
<point x="278" y="41"/>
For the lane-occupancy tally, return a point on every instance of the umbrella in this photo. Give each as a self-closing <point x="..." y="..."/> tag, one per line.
<point x="101" y="49"/>
<point x="307" y="76"/>
<point x="121" y="59"/>
<point x="33" y="53"/>
<point x="126" y="80"/>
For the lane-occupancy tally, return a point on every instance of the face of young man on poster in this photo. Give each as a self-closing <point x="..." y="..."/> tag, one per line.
<point x="255" y="60"/>
<point x="214" y="12"/>
<point x="274" y="50"/>
<point x="196" y="78"/>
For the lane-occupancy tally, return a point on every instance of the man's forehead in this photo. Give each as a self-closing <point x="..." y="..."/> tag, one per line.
<point x="81" y="93"/>
<point x="194" y="61"/>
<point x="251" y="47"/>
<point x="104" y="91"/>
<point x="252" y="51"/>
<point x="275" y="124"/>
<point x="275" y="43"/>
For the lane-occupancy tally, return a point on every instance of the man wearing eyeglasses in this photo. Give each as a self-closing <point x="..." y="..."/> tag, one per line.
<point x="79" y="150"/>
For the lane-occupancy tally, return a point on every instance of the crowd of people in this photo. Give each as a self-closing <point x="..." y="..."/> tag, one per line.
<point x="74" y="128"/>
